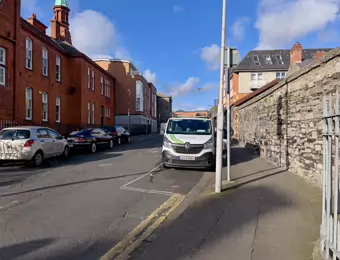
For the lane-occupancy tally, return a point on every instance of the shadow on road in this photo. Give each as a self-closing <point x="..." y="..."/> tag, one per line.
<point x="14" y="174"/>
<point x="20" y="250"/>
<point x="73" y="183"/>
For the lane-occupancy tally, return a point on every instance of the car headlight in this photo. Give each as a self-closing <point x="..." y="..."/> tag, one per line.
<point x="166" y="142"/>
<point x="209" y="144"/>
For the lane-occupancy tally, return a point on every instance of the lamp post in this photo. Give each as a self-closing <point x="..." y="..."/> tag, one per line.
<point x="129" y="91"/>
<point x="220" y="118"/>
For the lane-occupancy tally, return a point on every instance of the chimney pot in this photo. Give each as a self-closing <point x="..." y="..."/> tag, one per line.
<point x="296" y="54"/>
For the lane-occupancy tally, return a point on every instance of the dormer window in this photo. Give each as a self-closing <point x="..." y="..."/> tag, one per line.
<point x="279" y="59"/>
<point x="268" y="60"/>
<point x="256" y="60"/>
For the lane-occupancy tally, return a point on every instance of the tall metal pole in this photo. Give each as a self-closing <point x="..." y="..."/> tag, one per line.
<point x="220" y="121"/>
<point x="228" y="114"/>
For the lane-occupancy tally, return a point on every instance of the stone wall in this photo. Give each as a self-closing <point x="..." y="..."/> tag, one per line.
<point x="286" y="119"/>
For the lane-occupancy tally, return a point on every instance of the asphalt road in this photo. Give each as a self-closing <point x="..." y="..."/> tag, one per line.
<point x="81" y="207"/>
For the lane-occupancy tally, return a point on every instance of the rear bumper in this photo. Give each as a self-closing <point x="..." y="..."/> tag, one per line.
<point x="25" y="155"/>
<point x="205" y="161"/>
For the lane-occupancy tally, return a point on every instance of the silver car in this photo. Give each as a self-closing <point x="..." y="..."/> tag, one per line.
<point x="31" y="144"/>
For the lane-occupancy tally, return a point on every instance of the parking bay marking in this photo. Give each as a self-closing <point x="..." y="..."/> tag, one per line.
<point x="150" y="173"/>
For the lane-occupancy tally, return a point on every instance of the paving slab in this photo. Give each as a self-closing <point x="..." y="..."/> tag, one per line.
<point x="265" y="213"/>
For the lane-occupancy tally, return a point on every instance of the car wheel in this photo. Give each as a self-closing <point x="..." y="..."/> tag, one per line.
<point x="119" y="141"/>
<point x="66" y="151"/>
<point x="38" y="159"/>
<point x="111" y="144"/>
<point x="93" y="147"/>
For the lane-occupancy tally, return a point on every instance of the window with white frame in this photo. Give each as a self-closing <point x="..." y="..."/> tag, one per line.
<point x="107" y="88"/>
<point x="29" y="103"/>
<point x="268" y="59"/>
<point x="89" y="78"/>
<point x="93" y="112"/>
<point x="281" y="75"/>
<point x="279" y="59"/>
<point x="93" y="79"/>
<point x="58" y="68"/>
<point x="257" y="76"/>
<point x="29" y="51"/>
<point x="57" y="108"/>
<point x="44" y="61"/>
<point x="102" y="84"/>
<point x="256" y="60"/>
<point x="2" y="67"/>
<point x="107" y="112"/>
<point x="45" y="106"/>
<point x="89" y="112"/>
<point x="139" y="96"/>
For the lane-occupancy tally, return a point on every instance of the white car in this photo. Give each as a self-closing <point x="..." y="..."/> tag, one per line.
<point x="31" y="144"/>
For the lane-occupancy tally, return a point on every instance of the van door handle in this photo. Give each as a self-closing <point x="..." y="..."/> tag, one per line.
<point x="53" y="141"/>
<point x="42" y="141"/>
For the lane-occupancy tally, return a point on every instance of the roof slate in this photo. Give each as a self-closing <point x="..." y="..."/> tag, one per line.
<point x="248" y="64"/>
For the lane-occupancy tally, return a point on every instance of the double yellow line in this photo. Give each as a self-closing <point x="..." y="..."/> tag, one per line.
<point x="130" y="242"/>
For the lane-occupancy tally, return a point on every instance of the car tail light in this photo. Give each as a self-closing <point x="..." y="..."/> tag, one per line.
<point x="29" y="143"/>
<point x="114" y="133"/>
<point x="80" y="140"/>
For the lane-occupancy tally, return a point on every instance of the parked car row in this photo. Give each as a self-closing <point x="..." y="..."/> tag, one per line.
<point x="33" y="144"/>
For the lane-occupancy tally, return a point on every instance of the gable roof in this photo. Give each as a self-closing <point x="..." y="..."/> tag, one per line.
<point x="248" y="64"/>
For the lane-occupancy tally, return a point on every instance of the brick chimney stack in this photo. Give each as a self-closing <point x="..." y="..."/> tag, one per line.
<point x="296" y="54"/>
<point x="319" y="55"/>
<point x="60" y="27"/>
<point x="37" y="24"/>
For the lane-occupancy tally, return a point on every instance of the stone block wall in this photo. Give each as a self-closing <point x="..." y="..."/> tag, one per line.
<point x="286" y="119"/>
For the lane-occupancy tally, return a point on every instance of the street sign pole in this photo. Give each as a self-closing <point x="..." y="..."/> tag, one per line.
<point x="220" y="117"/>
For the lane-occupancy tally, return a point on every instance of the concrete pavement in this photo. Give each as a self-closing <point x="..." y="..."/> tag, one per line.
<point x="82" y="207"/>
<point x="265" y="213"/>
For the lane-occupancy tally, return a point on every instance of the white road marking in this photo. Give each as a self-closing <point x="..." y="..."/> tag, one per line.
<point x="9" y="204"/>
<point x="140" y="177"/>
<point x="161" y="192"/>
<point x="104" y="164"/>
<point x="153" y="150"/>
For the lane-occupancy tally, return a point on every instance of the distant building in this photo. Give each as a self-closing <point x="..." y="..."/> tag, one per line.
<point x="215" y="102"/>
<point x="191" y="113"/>
<point x="259" y="67"/>
<point x="164" y="107"/>
<point x="136" y="105"/>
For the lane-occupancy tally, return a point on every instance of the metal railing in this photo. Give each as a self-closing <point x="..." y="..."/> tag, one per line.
<point x="330" y="226"/>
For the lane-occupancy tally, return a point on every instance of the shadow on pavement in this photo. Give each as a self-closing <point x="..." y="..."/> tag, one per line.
<point x="209" y="229"/>
<point x="73" y="183"/>
<point x="241" y="155"/>
<point x="22" y="249"/>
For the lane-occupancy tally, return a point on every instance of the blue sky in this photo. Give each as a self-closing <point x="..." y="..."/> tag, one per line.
<point x="175" y="43"/>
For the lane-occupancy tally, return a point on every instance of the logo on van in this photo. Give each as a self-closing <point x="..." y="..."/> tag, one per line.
<point x="187" y="145"/>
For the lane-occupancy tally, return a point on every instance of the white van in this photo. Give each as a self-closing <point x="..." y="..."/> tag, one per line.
<point x="189" y="142"/>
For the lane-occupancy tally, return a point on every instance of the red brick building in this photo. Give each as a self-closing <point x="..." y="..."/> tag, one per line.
<point x="45" y="80"/>
<point x="136" y="103"/>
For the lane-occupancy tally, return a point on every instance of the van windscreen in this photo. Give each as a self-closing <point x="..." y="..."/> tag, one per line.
<point x="189" y="127"/>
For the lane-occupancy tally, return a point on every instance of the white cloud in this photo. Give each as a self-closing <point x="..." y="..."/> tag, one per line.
<point x="187" y="106"/>
<point x="183" y="89"/>
<point x="150" y="76"/>
<point x="238" y="28"/>
<point x="178" y="9"/>
<point x="280" y="22"/>
<point x="94" y="34"/>
<point x="211" y="55"/>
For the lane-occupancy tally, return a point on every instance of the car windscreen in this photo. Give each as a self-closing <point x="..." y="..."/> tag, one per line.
<point x="81" y="132"/>
<point x="189" y="127"/>
<point x="15" y="134"/>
